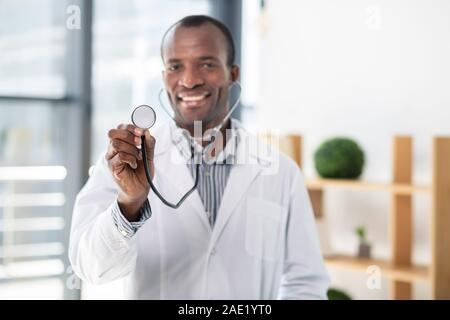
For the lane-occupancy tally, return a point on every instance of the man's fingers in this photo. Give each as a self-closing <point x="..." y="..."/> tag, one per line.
<point x="123" y="158"/>
<point x="110" y="153"/>
<point x="122" y="146"/>
<point x="118" y="146"/>
<point x="125" y="135"/>
<point x="126" y="126"/>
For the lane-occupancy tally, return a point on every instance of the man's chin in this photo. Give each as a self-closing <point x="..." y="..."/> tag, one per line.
<point x="192" y="116"/>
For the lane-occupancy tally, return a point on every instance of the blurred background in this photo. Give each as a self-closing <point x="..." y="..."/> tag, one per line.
<point x="71" y="70"/>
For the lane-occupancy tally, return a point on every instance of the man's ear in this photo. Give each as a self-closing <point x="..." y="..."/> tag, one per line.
<point x="234" y="72"/>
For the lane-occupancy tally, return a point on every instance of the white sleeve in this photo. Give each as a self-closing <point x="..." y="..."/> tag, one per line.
<point x="304" y="272"/>
<point x="98" y="252"/>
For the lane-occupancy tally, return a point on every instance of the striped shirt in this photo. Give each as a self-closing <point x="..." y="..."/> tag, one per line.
<point x="125" y="227"/>
<point x="212" y="180"/>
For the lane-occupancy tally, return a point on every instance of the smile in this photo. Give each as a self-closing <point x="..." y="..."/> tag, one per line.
<point x="192" y="97"/>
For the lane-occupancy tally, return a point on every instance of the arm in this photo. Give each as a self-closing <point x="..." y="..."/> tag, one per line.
<point x="304" y="276"/>
<point x="99" y="249"/>
<point x="110" y="208"/>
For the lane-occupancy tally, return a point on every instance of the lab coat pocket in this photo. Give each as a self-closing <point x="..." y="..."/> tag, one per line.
<point x="262" y="231"/>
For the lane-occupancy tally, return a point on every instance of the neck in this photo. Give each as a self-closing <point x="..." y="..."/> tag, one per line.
<point x="219" y="144"/>
<point x="208" y="125"/>
<point x="222" y="136"/>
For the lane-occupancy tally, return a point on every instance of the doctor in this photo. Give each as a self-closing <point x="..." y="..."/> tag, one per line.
<point x="247" y="232"/>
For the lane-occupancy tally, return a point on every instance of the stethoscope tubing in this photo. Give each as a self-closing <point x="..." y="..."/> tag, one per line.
<point x="152" y="186"/>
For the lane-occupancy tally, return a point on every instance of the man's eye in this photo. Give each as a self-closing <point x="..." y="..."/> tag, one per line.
<point x="173" y="68"/>
<point x="208" y="65"/>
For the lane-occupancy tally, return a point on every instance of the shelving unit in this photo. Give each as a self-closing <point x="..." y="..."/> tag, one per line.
<point x="399" y="269"/>
<point x="390" y="270"/>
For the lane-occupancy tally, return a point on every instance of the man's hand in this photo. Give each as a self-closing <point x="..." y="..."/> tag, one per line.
<point x="125" y="161"/>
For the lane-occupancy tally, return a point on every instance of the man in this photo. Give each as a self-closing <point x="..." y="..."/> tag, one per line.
<point x="247" y="232"/>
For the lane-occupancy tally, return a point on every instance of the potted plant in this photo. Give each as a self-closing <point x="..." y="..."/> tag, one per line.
<point x="339" y="158"/>
<point x="364" y="246"/>
<point x="337" y="294"/>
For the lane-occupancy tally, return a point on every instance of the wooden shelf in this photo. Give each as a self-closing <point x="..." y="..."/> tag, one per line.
<point x="388" y="269"/>
<point x="401" y="223"/>
<point x="397" y="188"/>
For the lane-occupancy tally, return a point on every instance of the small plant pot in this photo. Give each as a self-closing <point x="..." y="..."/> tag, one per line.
<point x="364" y="250"/>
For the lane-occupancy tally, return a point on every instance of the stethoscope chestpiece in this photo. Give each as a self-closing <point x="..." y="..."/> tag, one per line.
<point x="143" y="117"/>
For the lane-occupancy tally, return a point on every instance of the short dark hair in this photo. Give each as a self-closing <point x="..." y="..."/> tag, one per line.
<point x="198" y="20"/>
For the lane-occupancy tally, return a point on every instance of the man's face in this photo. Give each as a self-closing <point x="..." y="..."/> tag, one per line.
<point x="196" y="74"/>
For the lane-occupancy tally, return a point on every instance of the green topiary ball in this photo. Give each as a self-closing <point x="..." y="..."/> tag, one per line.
<point x="339" y="158"/>
<point x="336" y="294"/>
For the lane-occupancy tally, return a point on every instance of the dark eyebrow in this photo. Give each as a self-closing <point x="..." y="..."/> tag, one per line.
<point x="208" y="58"/>
<point x="173" y="60"/>
<point x="204" y="58"/>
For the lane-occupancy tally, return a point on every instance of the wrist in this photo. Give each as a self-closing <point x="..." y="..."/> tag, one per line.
<point x="130" y="208"/>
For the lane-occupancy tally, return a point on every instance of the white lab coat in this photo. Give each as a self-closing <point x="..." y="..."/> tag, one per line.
<point x="263" y="245"/>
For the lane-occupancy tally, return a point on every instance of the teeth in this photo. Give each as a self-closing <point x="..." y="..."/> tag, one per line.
<point x="193" y="98"/>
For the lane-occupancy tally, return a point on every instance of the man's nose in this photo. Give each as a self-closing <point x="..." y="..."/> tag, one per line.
<point x="190" y="79"/>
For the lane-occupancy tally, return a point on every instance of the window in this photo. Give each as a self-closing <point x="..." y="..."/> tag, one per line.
<point x="36" y="177"/>
<point x="32" y="199"/>
<point x="32" y="46"/>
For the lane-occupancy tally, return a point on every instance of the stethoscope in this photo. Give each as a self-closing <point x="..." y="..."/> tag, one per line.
<point x="144" y="117"/>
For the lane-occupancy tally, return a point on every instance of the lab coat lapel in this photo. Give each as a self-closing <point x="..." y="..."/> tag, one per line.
<point x="241" y="177"/>
<point x="175" y="172"/>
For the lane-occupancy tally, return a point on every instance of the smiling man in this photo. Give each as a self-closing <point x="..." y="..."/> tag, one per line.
<point x="247" y="232"/>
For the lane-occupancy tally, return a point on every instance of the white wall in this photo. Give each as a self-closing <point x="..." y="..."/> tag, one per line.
<point x="368" y="70"/>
